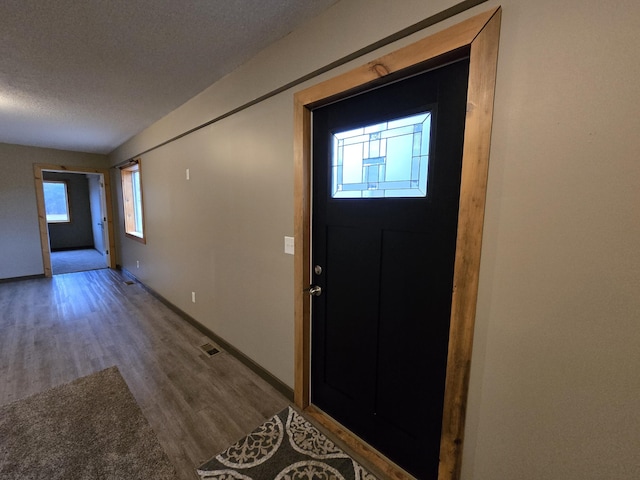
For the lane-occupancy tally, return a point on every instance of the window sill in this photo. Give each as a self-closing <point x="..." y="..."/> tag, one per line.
<point x="136" y="238"/>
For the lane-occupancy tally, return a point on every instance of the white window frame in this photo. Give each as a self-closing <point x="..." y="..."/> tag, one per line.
<point x="133" y="205"/>
<point x="66" y="199"/>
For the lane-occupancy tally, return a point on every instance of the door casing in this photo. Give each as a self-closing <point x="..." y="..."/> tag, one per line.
<point x="477" y="38"/>
<point x="38" y="168"/>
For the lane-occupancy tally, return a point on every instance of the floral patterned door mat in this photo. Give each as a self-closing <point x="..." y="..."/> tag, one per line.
<point x="285" y="447"/>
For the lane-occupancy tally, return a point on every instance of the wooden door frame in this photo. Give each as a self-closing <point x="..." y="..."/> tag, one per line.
<point x="38" y="169"/>
<point x="476" y="38"/>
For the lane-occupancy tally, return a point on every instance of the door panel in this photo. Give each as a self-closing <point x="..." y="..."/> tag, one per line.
<point x="380" y="328"/>
<point x="97" y="213"/>
<point x="409" y="292"/>
<point x="350" y="304"/>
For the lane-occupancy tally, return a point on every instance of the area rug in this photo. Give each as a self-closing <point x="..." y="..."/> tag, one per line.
<point x="285" y="447"/>
<point x="91" y="428"/>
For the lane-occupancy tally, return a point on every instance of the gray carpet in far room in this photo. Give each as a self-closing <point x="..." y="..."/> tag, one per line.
<point x="69" y="261"/>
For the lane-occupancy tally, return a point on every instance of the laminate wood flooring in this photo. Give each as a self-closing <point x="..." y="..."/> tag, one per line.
<point x="53" y="331"/>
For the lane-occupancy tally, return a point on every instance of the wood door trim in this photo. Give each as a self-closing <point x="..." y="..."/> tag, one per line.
<point x="38" y="168"/>
<point x="477" y="37"/>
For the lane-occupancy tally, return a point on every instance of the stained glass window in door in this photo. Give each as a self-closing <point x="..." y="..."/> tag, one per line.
<point x="388" y="159"/>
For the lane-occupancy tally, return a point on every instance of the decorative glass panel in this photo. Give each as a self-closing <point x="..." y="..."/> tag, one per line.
<point x="389" y="159"/>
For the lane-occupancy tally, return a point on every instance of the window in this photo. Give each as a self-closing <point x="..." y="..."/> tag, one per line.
<point x="388" y="159"/>
<point x="56" y="201"/>
<point x="132" y="201"/>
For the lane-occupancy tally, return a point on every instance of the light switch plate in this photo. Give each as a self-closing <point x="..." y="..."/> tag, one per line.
<point x="289" y="246"/>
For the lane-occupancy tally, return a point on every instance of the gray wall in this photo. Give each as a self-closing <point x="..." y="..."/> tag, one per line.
<point x="20" y="249"/>
<point x="554" y="382"/>
<point x="78" y="233"/>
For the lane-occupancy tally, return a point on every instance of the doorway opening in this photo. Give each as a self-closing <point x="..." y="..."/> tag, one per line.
<point x="75" y="218"/>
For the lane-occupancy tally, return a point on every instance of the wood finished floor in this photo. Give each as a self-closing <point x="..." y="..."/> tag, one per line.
<point x="53" y="331"/>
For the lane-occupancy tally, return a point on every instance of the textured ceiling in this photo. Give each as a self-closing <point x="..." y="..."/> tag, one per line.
<point x="87" y="75"/>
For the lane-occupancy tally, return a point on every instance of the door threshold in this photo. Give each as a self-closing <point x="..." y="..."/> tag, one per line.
<point x="370" y="458"/>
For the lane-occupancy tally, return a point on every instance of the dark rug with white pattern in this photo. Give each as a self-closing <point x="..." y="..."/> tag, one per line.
<point x="285" y="447"/>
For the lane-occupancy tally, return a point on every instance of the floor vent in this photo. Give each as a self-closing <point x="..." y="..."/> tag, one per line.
<point x="209" y="349"/>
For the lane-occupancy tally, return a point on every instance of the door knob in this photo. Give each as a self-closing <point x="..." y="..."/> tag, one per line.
<point x="314" y="290"/>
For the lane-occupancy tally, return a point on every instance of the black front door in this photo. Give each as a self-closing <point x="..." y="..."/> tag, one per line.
<point x="386" y="184"/>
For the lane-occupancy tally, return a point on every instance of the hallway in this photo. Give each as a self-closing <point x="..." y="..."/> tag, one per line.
<point x="53" y="331"/>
